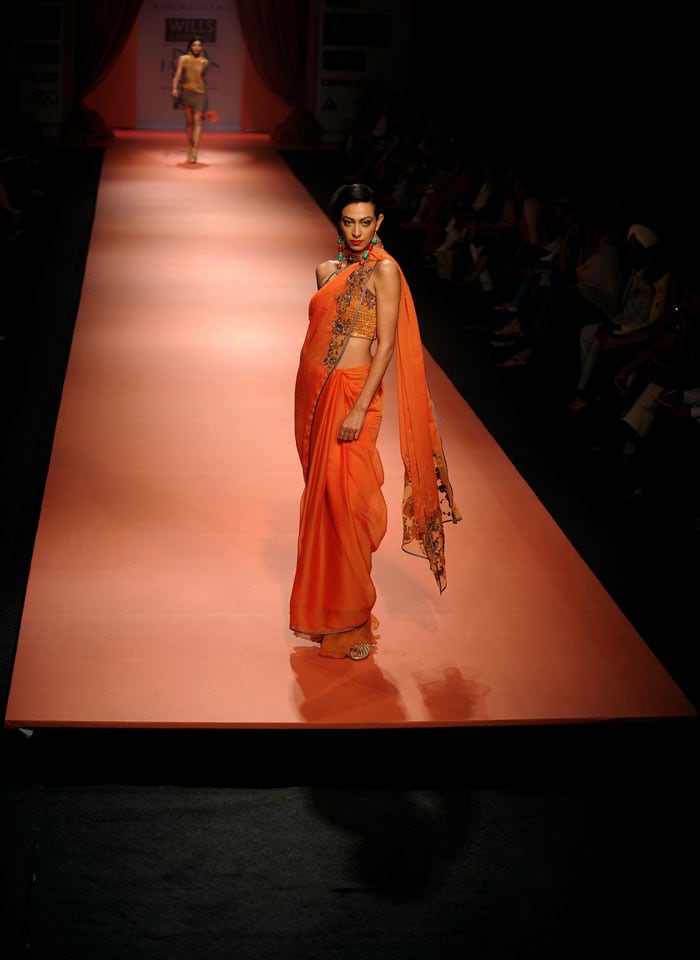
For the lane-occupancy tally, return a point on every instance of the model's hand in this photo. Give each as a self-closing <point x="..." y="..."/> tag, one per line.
<point x="351" y="427"/>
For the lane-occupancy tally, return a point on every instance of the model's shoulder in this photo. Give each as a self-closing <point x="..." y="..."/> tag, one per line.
<point x="388" y="265"/>
<point x="324" y="270"/>
<point x="387" y="269"/>
<point x="326" y="266"/>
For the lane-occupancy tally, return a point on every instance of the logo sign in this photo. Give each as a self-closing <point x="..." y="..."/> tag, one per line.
<point x="184" y="30"/>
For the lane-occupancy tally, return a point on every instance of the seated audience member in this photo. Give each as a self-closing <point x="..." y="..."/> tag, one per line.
<point x="662" y="374"/>
<point x="476" y="261"/>
<point x="643" y="303"/>
<point x="581" y="284"/>
<point x="667" y="463"/>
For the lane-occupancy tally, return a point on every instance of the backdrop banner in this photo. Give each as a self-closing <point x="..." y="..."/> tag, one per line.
<point x="165" y="30"/>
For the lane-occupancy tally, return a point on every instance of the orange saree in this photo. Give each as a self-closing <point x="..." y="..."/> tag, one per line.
<point x="343" y="515"/>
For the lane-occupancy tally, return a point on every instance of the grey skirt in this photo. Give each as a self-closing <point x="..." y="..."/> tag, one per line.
<point x="197" y="102"/>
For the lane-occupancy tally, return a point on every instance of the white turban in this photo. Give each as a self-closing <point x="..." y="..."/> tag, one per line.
<point x="644" y="235"/>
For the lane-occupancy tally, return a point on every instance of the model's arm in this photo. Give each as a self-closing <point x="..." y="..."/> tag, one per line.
<point x="387" y="290"/>
<point x="177" y="77"/>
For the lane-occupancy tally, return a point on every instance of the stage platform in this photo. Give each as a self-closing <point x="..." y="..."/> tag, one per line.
<point x="159" y="584"/>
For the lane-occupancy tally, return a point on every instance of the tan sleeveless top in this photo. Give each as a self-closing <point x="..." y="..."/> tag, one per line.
<point x="193" y="73"/>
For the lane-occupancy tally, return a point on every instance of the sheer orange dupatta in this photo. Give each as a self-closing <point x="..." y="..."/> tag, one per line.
<point x="428" y="500"/>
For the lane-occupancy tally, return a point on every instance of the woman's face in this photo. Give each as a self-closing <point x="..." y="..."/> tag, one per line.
<point x="196" y="47"/>
<point x="358" y="224"/>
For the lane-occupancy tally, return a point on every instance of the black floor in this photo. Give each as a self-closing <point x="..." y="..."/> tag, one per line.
<point x="555" y="842"/>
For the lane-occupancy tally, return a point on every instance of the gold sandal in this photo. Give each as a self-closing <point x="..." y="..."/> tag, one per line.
<point x="360" y="651"/>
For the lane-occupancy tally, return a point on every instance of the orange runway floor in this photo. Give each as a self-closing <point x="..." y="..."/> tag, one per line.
<point x="159" y="585"/>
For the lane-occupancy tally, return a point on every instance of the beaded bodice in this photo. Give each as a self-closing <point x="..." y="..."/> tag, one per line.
<point x="357" y="305"/>
<point x="357" y="311"/>
<point x="366" y="320"/>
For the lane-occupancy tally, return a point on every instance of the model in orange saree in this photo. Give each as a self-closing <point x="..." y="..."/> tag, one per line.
<point x="343" y="514"/>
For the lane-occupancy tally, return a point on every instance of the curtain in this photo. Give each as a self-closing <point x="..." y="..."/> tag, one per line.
<point x="277" y="38"/>
<point x="101" y="29"/>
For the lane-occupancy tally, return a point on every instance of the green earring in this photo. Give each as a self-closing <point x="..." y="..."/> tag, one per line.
<point x="373" y="242"/>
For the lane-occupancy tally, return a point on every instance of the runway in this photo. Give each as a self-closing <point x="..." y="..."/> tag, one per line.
<point x="158" y="589"/>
